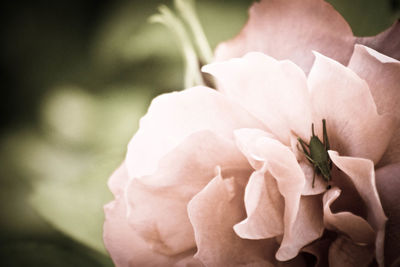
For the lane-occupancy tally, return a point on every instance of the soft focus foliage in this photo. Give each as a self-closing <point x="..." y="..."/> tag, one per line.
<point x="74" y="92"/>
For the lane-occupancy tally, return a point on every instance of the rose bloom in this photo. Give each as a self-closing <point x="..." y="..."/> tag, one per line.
<point x="218" y="177"/>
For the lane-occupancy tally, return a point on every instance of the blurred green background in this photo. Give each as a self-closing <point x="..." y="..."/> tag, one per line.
<point x="76" y="76"/>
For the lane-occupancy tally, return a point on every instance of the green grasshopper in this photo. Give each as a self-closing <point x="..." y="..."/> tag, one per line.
<point x="317" y="154"/>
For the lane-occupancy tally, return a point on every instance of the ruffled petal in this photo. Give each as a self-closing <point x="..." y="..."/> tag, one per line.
<point x="344" y="253"/>
<point x="345" y="101"/>
<point x="189" y="262"/>
<point x="309" y="172"/>
<point x="273" y="91"/>
<point x="118" y="180"/>
<point x="350" y="199"/>
<point x="246" y="141"/>
<point x="291" y="30"/>
<point x="264" y="207"/>
<point x="383" y="77"/>
<point x="194" y="160"/>
<point x="387" y="42"/>
<point x="392" y="154"/>
<point x="388" y="184"/>
<point x="282" y="164"/>
<point x="307" y="227"/>
<point x="213" y="212"/>
<point x="125" y="246"/>
<point x="345" y="222"/>
<point x="157" y="203"/>
<point x="174" y="116"/>
<point x="362" y="174"/>
<point x="158" y="215"/>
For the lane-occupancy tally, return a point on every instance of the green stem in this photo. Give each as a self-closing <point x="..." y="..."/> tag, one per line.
<point x="187" y="10"/>
<point x="192" y="70"/>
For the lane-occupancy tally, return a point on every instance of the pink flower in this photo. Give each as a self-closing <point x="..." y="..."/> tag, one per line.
<point x="217" y="178"/>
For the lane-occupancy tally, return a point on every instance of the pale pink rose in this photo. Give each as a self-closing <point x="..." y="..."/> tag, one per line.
<point x="216" y="178"/>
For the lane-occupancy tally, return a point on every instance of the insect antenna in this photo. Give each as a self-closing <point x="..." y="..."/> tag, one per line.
<point x="312" y="129"/>
<point x="325" y="135"/>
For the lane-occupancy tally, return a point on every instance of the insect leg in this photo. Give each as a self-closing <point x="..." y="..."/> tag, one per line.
<point x="303" y="146"/>
<point x="313" y="179"/>
<point x="302" y="143"/>
<point x="308" y="157"/>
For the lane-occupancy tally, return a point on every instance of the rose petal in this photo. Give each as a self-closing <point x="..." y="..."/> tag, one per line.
<point x="158" y="215"/>
<point x="387" y="42"/>
<point x="124" y="244"/>
<point x="382" y="74"/>
<point x="362" y="174"/>
<point x="307" y="227"/>
<point x="273" y="91"/>
<point x="157" y="203"/>
<point x="283" y="166"/>
<point x="246" y="141"/>
<point x="344" y="253"/>
<point x="291" y="30"/>
<point x="189" y="262"/>
<point x="345" y="101"/>
<point x="319" y="183"/>
<point x="195" y="158"/>
<point x="213" y="212"/>
<point x="263" y="202"/>
<point x="350" y="199"/>
<point x="264" y="207"/>
<point x="174" y="116"/>
<point x="388" y="184"/>
<point x="118" y="180"/>
<point x="392" y="154"/>
<point x="346" y="222"/>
